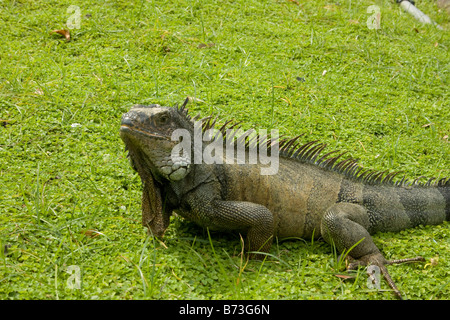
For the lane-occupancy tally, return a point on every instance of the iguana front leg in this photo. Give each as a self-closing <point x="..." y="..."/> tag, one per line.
<point x="345" y="224"/>
<point x="254" y="220"/>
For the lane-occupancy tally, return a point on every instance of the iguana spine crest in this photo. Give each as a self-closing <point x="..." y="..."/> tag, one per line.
<point x="309" y="153"/>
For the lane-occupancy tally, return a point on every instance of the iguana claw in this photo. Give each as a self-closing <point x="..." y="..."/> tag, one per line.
<point x="378" y="260"/>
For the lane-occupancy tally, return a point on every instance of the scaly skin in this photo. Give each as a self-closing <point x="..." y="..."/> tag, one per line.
<point x="337" y="201"/>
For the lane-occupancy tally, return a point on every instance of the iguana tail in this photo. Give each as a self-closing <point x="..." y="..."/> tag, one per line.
<point x="395" y="206"/>
<point x="407" y="206"/>
<point x="444" y="188"/>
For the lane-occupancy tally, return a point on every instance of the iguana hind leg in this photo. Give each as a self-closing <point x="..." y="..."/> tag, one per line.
<point x="346" y="224"/>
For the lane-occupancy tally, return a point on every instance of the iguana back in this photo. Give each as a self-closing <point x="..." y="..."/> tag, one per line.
<point x="300" y="194"/>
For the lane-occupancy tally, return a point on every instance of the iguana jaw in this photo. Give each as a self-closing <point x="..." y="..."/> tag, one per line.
<point x="128" y="128"/>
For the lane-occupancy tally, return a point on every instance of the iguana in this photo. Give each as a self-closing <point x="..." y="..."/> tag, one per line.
<point x="311" y="195"/>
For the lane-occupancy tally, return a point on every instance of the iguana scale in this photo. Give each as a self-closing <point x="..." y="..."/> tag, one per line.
<point x="311" y="195"/>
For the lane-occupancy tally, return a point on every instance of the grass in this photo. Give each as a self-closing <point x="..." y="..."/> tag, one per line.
<point x="69" y="197"/>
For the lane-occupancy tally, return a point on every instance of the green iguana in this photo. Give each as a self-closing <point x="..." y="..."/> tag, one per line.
<point x="310" y="195"/>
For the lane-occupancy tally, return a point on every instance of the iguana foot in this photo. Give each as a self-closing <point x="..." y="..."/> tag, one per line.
<point x="377" y="259"/>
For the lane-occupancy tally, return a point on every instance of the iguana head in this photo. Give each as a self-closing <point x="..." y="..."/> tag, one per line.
<point x="147" y="131"/>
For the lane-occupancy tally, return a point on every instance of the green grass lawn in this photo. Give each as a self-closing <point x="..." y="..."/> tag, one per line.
<point x="68" y="196"/>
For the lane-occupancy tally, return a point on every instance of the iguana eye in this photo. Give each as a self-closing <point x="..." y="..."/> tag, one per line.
<point x="163" y="119"/>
